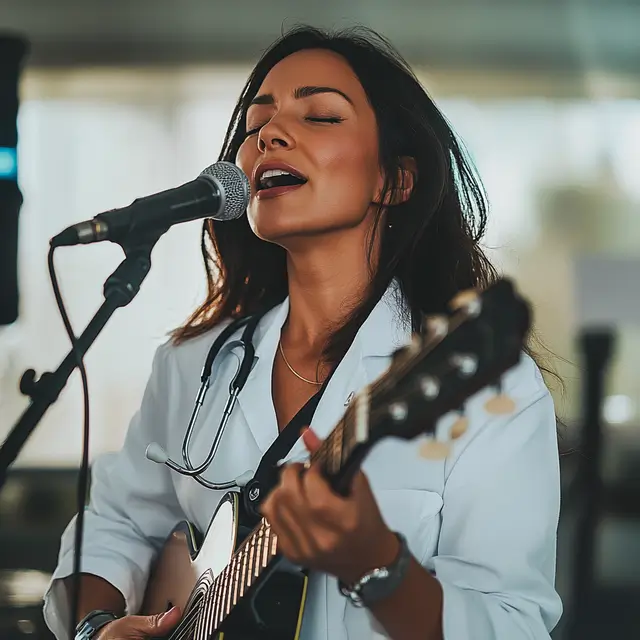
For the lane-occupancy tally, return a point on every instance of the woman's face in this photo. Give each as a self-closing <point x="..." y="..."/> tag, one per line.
<point x="311" y="118"/>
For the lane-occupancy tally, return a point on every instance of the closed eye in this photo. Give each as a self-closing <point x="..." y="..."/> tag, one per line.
<point x="330" y="120"/>
<point x="327" y="120"/>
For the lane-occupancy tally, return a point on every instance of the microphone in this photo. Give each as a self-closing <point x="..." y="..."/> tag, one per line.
<point x="220" y="192"/>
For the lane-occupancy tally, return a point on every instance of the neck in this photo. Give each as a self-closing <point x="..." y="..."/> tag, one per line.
<point x="325" y="285"/>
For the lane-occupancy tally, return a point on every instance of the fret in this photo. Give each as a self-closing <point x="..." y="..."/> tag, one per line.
<point x="259" y="549"/>
<point x="236" y="580"/>
<point x="328" y="455"/>
<point x="265" y="553"/>
<point x="211" y="618"/>
<point x="214" y="608"/>
<point x="219" y="599"/>
<point x="200" y="617"/>
<point x="349" y="441"/>
<point x="243" y="571"/>
<point x="336" y="449"/>
<point x="208" y="600"/>
<point x="252" y="557"/>
<point x="229" y="597"/>
<point x="362" y="416"/>
<point x="226" y="608"/>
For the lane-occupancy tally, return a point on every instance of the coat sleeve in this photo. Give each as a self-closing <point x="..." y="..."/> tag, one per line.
<point x="497" y="549"/>
<point x="133" y="507"/>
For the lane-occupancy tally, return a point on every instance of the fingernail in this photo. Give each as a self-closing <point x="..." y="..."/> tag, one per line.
<point x="166" y="613"/>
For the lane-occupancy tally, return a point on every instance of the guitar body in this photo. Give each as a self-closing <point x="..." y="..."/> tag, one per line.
<point x="188" y="565"/>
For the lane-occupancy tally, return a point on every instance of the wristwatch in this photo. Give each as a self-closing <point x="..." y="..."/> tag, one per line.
<point x="89" y="626"/>
<point x="381" y="582"/>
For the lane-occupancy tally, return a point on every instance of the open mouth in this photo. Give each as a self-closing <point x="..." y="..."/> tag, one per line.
<point x="272" y="178"/>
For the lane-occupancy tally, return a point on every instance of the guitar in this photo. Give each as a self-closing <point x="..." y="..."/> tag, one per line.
<point x="235" y="587"/>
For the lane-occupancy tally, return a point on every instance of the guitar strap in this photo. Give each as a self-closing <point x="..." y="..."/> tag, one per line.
<point x="267" y="473"/>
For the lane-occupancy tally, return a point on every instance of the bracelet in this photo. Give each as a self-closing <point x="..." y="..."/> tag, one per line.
<point x="381" y="582"/>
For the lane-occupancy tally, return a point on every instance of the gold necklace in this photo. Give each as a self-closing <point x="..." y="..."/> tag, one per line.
<point x="295" y="373"/>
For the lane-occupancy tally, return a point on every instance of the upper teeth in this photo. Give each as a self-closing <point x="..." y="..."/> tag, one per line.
<point x="271" y="173"/>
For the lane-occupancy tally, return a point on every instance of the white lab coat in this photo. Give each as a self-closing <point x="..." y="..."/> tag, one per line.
<point x="483" y="522"/>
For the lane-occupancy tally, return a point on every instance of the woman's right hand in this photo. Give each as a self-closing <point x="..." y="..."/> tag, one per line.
<point x="141" y="627"/>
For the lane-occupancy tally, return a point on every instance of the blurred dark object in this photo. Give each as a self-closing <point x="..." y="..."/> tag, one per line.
<point x="595" y="610"/>
<point x="35" y="507"/>
<point x="21" y="605"/>
<point x="12" y="51"/>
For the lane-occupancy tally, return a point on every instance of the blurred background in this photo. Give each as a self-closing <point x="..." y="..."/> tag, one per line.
<point x="122" y="99"/>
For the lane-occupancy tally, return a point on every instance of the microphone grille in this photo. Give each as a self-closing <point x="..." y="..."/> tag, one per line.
<point x="235" y="186"/>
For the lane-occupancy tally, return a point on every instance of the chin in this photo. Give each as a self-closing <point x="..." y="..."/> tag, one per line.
<point x="278" y="228"/>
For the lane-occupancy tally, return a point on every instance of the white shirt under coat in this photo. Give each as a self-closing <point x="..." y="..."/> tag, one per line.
<point x="483" y="521"/>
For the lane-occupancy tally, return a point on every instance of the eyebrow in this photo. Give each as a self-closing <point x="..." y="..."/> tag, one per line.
<point x="302" y="92"/>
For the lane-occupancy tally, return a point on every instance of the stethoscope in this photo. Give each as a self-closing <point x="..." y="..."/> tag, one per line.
<point x="157" y="453"/>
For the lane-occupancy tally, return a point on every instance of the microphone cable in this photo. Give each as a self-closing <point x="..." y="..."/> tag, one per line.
<point x="84" y="465"/>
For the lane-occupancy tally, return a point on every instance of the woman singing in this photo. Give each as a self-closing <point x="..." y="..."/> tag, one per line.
<point x="364" y="217"/>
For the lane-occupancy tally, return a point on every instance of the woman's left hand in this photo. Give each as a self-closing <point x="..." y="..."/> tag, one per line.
<point x="343" y="536"/>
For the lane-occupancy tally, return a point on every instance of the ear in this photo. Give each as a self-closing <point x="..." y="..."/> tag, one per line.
<point x="406" y="178"/>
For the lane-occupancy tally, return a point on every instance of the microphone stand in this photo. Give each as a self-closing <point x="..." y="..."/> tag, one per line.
<point x="120" y="288"/>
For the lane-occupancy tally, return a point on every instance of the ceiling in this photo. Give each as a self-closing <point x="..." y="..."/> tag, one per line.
<point x="551" y="35"/>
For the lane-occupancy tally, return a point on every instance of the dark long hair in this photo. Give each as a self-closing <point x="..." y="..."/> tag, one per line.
<point x="432" y="243"/>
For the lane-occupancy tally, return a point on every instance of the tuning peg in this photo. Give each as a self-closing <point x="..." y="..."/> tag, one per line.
<point x="429" y="386"/>
<point x="434" y="450"/>
<point x="500" y="404"/>
<point x="465" y="363"/>
<point x="468" y="301"/>
<point x="436" y="326"/>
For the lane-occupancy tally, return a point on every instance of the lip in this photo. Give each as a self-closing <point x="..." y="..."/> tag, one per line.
<point x="274" y="192"/>
<point x="274" y="164"/>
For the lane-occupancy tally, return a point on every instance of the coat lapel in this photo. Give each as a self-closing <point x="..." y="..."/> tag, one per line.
<point x="256" y="399"/>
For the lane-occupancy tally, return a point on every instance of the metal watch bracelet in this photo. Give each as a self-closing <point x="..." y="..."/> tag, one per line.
<point x="380" y="583"/>
<point x="89" y="626"/>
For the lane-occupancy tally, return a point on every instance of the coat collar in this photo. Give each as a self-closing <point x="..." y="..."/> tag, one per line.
<point x="385" y="330"/>
<point x="388" y="326"/>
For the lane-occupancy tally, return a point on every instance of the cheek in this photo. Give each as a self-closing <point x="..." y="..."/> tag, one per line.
<point x="350" y="168"/>
<point x="246" y="157"/>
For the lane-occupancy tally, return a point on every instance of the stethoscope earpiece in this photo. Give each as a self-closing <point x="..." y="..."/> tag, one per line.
<point x="156" y="453"/>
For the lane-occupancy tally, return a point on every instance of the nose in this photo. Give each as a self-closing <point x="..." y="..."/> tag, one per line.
<point x="274" y="136"/>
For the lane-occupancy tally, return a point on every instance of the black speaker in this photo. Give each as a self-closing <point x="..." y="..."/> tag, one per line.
<point x="13" y="49"/>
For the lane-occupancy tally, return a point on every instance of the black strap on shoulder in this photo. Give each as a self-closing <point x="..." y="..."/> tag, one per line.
<point x="266" y="475"/>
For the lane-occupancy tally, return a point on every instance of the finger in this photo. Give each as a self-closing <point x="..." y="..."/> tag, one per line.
<point x="293" y="541"/>
<point x="360" y="486"/>
<point x="311" y="440"/>
<point x="290" y="487"/>
<point x="324" y="505"/>
<point x="155" y="626"/>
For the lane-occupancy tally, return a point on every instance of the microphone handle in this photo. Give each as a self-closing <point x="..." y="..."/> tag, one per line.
<point x="200" y="198"/>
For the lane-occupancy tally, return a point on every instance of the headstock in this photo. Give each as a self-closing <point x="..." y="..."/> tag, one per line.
<point x="459" y="354"/>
